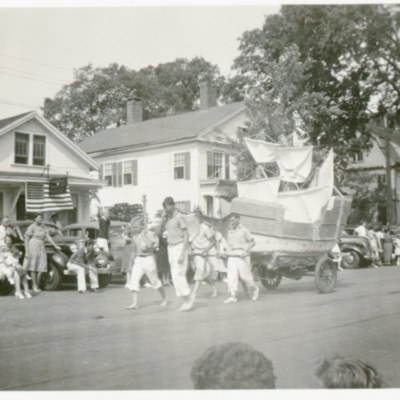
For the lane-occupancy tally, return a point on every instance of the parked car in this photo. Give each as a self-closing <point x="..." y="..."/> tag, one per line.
<point x="356" y="250"/>
<point x="58" y="273"/>
<point x="91" y="230"/>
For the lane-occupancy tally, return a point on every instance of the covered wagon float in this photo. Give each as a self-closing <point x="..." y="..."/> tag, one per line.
<point x="296" y="217"/>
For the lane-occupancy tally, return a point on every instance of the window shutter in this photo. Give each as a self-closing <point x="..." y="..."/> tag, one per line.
<point x="227" y="167"/>
<point x="119" y="173"/>
<point x="115" y="175"/>
<point x="134" y="172"/>
<point x="187" y="165"/>
<point x="101" y="170"/>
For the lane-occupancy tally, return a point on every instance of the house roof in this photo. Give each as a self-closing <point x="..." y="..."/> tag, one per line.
<point x="7" y="121"/>
<point x="173" y="127"/>
<point x="379" y="133"/>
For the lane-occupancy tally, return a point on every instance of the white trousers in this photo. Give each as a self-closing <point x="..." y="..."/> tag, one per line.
<point x="239" y="267"/>
<point x="94" y="280"/>
<point x="144" y="265"/>
<point x="178" y="271"/>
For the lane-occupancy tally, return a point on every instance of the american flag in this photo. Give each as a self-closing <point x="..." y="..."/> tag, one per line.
<point x="39" y="200"/>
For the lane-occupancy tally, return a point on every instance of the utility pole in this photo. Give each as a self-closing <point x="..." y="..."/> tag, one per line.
<point x="389" y="193"/>
<point x="144" y="201"/>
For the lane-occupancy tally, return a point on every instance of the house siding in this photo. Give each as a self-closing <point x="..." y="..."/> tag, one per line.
<point x="155" y="178"/>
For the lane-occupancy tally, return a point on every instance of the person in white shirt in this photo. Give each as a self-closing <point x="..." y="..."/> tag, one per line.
<point x="361" y="230"/>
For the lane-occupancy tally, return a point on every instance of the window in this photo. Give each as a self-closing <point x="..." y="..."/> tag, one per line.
<point x="30" y="149"/>
<point x="182" y="166"/>
<point x="21" y="148"/>
<point x="128" y="171"/>
<point x="358" y="156"/>
<point x="214" y="165"/>
<point x="1" y="203"/>
<point x="121" y="173"/>
<point x="39" y="150"/>
<point x="381" y="180"/>
<point x="179" y="166"/>
<point x="108" y="174"/>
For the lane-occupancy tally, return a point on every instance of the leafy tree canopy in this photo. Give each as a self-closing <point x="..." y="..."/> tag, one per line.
<point x="96" y="99"/>
<point x="324" y="71"/>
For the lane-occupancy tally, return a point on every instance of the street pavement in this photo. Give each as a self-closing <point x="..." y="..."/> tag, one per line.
<point x="67" y="341"/>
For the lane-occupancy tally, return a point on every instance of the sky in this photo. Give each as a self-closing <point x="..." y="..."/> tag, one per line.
<point x="40" y="46"/>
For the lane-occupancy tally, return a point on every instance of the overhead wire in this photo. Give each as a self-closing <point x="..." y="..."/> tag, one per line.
<point x="32" y="73"/>
<point x="37" y="62"/>
<point x="31" y="79"/>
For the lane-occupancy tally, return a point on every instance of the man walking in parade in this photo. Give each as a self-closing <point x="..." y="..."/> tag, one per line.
<point x="177" y="238"/>
<point x="240" y="241"/>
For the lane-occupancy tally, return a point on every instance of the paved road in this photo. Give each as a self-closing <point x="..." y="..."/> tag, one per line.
<point x="62" y="340"/>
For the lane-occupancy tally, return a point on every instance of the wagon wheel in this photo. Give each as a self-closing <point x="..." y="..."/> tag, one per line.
<point x="325" y="274"/>
<point x="269" y="279"/>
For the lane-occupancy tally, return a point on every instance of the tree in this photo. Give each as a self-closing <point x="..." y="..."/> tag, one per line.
<point x="319" y="67"/>
<point x="97" y="98"/>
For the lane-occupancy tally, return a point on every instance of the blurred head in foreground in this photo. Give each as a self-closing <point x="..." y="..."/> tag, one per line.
<point x="348" y="373"/>
<point x="233" y="366"/>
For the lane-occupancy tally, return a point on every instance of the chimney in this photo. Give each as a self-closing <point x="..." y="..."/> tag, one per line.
<point x="208" y="95"/>
<point x="134" y="110"/>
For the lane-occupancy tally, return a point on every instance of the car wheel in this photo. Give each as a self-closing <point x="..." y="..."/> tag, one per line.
<point x="52" y="279"/>
<point x="104" y="280"/>
<point x="351" y="260"/>
<point x="325" y="274"/>
<point x="269" y="279"/>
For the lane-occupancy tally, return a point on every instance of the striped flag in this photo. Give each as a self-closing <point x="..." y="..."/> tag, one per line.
<point x="39" y="200"/>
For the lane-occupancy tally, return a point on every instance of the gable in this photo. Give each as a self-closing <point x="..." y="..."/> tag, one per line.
<point x="60" y="153"/>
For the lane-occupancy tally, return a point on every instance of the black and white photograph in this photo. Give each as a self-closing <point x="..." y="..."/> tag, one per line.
<point x="200" y="197"/>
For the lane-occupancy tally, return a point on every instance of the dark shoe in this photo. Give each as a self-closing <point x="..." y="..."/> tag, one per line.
<point x="83" y="291"/>
<point x="94" y="291"/>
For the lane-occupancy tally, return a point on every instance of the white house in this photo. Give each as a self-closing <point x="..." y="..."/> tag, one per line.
<point x="32" y="151"/>
<point x="185" y="156"/>
<point x="373" y="162"/>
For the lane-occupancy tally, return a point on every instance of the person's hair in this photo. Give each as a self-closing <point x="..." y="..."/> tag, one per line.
<point x="168" y="201"/>
<point x="37" y="215"/>
<point x="137" y="219"/>
<point x="233" y="366"/>
<point x="348" y="373"/>
<point x="234" y="215"/>
<point x="370" y="226"/>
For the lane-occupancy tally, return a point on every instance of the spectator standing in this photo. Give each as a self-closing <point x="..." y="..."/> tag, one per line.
<point x="145" y="244"/>
<point x="103" y="236"/>
<point x="128" y="254"/>
<point x="233" y="366"/>
<point x="35" y="250"/>
<point x="396" y="243"/>
<point x="387" y="246"/>
<point x="373" y="239"/>
<point x="240" y="241"/>
<point x="177" y="238"/>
